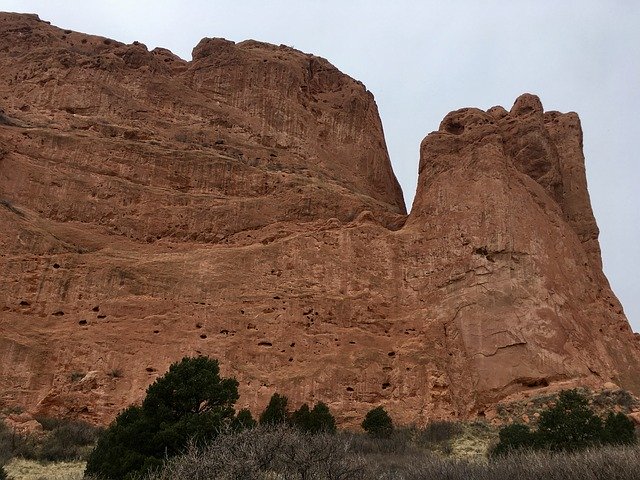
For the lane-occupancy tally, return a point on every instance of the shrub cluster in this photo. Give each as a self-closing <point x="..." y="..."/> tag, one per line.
<point x="63" y="440"/>
<point x="567" y="426"/>
<point x="315" y="420"/>
<point x="267" y="452"/>
<point x="287" y="453"/>
<point x="378" y="423"/>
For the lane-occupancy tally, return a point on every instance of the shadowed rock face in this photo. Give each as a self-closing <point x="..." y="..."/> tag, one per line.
<point x="243" y="206"/>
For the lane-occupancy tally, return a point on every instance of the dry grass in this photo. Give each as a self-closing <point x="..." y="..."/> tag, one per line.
<point x="20" y="469"/>
<point x="473" y="441"/>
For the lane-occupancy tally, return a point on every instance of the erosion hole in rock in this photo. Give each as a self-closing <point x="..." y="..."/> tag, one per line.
<point x="484" y="252"/>
<point x="291" y="359"/>
<point x="534" y="382"/>
<point x="76" y="376"/>
<point x="56" y="265"/>
<point x="385" y="385"/>
<point x="101" y="316"/>
<point x="150" y="369"/>
<point x="391" y="354"/>
<point x="349" y="389"/>
<point x="82" y="322"/>
<point x="59" y="313"/>
<point x="96" y="308"/>
<point x="203" y="336"/>
<point x="454" y="127"/>
<point x="198" y="325"/>
<point x="292" y="344"/>
<point x="24" y="303"/>
<point x="156" y="331"/>
<point x="481" y="414"/>
<point x="265" y="343"/>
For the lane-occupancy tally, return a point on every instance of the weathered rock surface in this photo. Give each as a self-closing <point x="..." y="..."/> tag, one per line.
<point x="242" y="205"/>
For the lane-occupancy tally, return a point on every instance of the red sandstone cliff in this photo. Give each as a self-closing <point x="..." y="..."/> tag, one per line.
<point x="242" y="205"/>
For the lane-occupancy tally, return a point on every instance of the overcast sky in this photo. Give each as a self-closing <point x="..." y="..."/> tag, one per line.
<point x="422" y="59"/>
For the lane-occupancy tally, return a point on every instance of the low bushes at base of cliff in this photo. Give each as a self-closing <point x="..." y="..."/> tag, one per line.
<point x="377" y="423"/>
<point x="315" y="420"/>
<point x="188" y="405"/>
<point x="275" y="413"/>
<point x="567" y="426"/>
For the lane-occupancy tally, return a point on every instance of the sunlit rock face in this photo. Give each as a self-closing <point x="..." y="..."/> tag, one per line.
<point x="242" y="205"/>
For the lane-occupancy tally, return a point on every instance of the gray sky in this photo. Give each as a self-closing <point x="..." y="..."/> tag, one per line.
<point x="422" y="59"/>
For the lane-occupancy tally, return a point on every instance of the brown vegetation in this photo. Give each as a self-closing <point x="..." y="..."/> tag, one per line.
<point x="287" y="453"/>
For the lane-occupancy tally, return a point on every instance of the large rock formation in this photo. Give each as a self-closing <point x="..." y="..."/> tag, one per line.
<point x="243" y="206"/>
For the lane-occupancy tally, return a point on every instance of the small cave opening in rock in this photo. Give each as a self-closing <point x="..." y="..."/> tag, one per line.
<point x="385" y="385"/>
<point x="101" y="316"/>
<point x="96" y="308"/>
<point x="59" y="313"/>
<point x="56" y="265"/>
<point x="454" y="127"/>
<point x="534" y="382"/>
<point x="349" y="389"/>
<point x="24" y="303"/>
<point x="203" y="336"/>
<point x="391" y="354"/>
<point x="265" y="343"/>
<point x="82" y="322"/>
